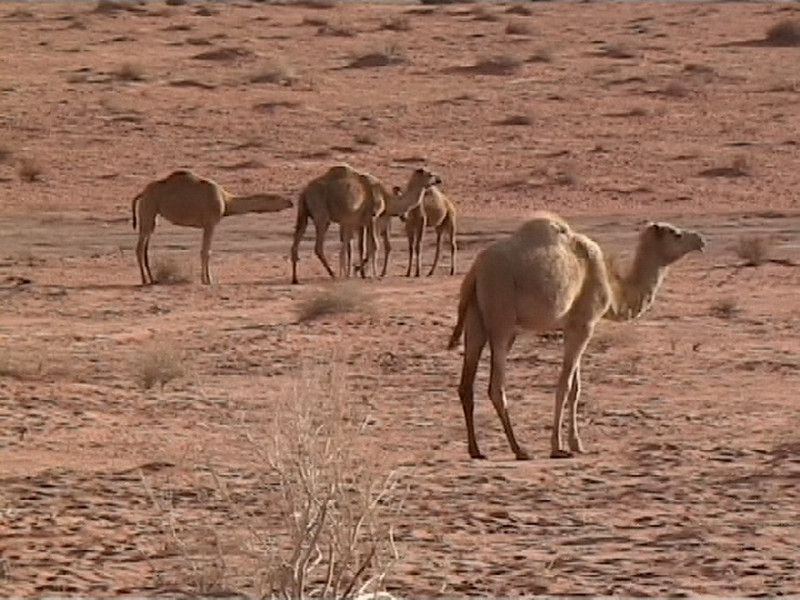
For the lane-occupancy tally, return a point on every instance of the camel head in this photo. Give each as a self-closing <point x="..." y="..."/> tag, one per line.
<point x="403" y="200"/>
<point x="667" y="243"/>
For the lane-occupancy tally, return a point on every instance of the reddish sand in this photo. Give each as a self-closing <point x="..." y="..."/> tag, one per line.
<point x="692" y="483"/>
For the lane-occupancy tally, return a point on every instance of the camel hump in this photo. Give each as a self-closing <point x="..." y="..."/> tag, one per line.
<point x="184" y="174"/>
<point x="543" y="229"/>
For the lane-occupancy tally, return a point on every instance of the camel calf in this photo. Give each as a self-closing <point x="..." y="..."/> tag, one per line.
<point x="186" y="199"/>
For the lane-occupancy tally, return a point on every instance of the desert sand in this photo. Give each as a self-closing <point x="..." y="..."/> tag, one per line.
<point x="608" y="114"/>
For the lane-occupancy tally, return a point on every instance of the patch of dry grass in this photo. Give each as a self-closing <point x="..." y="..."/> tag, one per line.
<point x="338" y="29"/>
<point x="519" y="9"/>
<point x="333" y="299"/>
<point x="518" y="28"/>
<point x="784" y="33"/>
<point x="619" y="50"/>
<point x="397" y="23"/>
<point x="129" y="72"/>
<point x="516" y="120"/>
<point x="542" y="55"/>
<point x="754" y="250"/>
<point x="274" y="70"/>
<point x="482" y="12"/>
<point x="495" y="65"/>
<point x="29" y="170"/>
<point x="157" y="364"/>
<point x="169" y="271"/>
<point x="725" y="308"/>
<point x="388" y="55"/>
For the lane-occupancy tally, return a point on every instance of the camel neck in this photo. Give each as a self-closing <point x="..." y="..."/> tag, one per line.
<point x="410" y="198"/>
<point x="635" y="292"/>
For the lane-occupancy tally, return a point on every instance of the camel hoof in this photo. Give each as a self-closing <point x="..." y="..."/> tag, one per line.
<point x="561" y="454"/>
<point x="477" y="455"/>
<point x="523" y="455"/>
<point x="577" y="448"/>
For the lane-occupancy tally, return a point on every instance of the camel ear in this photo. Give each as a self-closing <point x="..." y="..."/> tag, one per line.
<point x="657" y="229"/>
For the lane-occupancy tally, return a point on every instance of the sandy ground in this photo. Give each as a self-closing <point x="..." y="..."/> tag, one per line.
<point x="624" y="112"/>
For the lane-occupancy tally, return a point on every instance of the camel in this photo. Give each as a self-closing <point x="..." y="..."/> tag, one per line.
<point x="183" y="198"/>
<point x="546" y="277"/>
<point x="436" y="210"/>
<point x="354" y="200"/>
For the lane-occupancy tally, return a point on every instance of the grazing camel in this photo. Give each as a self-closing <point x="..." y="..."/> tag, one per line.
<point x="354" y="200"/>
<point x="547" y="277"/>
<point x="184" y="198"/>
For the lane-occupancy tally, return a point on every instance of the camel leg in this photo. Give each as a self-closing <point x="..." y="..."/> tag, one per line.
<point x="420" y="234"/>
<point x="319" y="245"/>
<point x="410" y="235"/>
<point x="439" y="233"/>
<point x="142" y="259"/>
<point x="345" y="252"/>
<point x="575" y="340"/>
<point x="299" y="232"/>
<point x="499" y="345"/>
<point x="387" y="247"/>
<point x="474" y="341"/>
<point x="574" y="440"/>
<point x="205" y="254"/>
<point x="453" y="249"/>
<point x="372" y="249"/>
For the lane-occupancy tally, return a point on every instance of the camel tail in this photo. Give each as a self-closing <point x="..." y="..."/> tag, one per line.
<point x="302" y="213"/>
<point x="256" y="203"/>
<point x="133" y="208"/>
<point x="468" y="295"/>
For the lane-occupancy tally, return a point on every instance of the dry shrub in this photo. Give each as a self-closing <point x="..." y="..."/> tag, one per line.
<point x="129" y="72"/>
<point x="176" y="2"/>
<point x="158" y="363"/>
<point x="619" y="50"/>
<point x="519" y="9"/>
<point x="224" y="54"/>
<point x="30" y="170"/>
<point x="754" y="250"/>
<point x="112" y="7"/>
<point x="339" y="29"/>
<point x="308" y="515"/>
<point x="314" y="21"/>
<point x="496" y="65"/>
<point x="274" y="70"/>
<point x="518" y="28"/>
<point x="169" y="271"/>
<point x="6" y="154"/>
<point x="335" y="298"/>
<point x="784" y="33"/>
<point x="725" y="308"/>
<point x="516" y="120"/>
<point x="317" y="4"/>
<point x="542" y="55"/>
<point x="389" y="55"/>
<point x="482" y="13"/>
<point x="397" y="23"/>
<point x="675" y="89"/>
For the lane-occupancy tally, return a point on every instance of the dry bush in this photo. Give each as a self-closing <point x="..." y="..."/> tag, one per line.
<point x="335" y="298"/>
<point x="496" y="65"/>
<point x="339" y="29"/>
<point x="176" y="2"/>
<point x="6" y="154"/>
<point x="30" y="170"/>
<point x="519" y="9"/>
<point x="397" y="23"/>
<point x="317" y="4"/>
<point x="389" y="55"/>
<point x="740" y="167"/>
<point x="112" y="7"/>
<point x="725" y="308"/>
<point x="516" y="120"/>
<point x="482" y="13"/>
<point x="129" y="72"/>
<point x="784" y="33"/>
<point x="619" y="50"/>
<point x="314" y="21"/>
<point x="158" y="363"/>
<point x="518" y="28"/>
<point x="169" y="271"/>
<point x="754" y="250"/>
<point x="365" y="139"/>
<point x="542" y="55"/>
<point x="675" y="89"/>
<point x="274" y="70"/>
<point x="308" y="515"/>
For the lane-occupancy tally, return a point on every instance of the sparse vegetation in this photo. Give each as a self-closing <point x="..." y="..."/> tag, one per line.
<point x="274" y="70"/>
<point x="6" y="154"/>
<point x="314" y="21"/>
<point x="784" y="33"/>
<point x="519" y="9"/>
<point x="482" y="12"/>
<point x="129" y="72"/>
<point x="158" y="364"/>
<point x="619" y="50"/>
<point x="725" y="308"/>
<point x="675" y="89"/>
<point x="496" y="65"/>
<point x="754" y="250"/>
<point x="389" y="55"/>
<point x="518" y="28"/>
<point x="335" y="298"/>
<point x="169" y="271"/>
<point x="30" y="170"/>
<point x="339" y="29"/>
<point x="542" y="55"/>
<point x="397" y="23"/>
<point x="516" y="120"/>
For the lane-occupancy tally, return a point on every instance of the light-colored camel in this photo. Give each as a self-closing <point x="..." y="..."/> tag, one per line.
<point x="547" y="277"/>
<point x="354" y="200"/>
<point x="436" y="210"/>
<point x="183" y="198"/>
